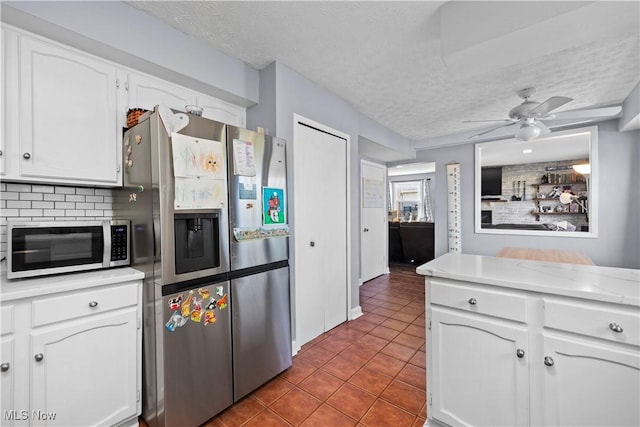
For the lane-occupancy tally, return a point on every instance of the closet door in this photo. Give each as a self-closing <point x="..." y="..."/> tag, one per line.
<point x="321" y="231"/>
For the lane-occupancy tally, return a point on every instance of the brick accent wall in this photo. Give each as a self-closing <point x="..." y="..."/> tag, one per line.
<point x="36" y="202"/>
<point x="519" y="212"/>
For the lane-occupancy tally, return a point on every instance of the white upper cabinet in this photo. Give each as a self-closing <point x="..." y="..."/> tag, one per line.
<point x="9" y="100"/>
<point x="68" y="117"/>
<point x="216" y="109"/>
<point x="146" y="92"/>
<point x="63" y="110"/>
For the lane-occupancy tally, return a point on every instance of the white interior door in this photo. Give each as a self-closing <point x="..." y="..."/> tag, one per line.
<point x="321" y="228"/>
<point x="373" y="214"/>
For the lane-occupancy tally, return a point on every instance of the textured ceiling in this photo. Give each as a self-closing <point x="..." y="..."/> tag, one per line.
<point x="421" y="68"/>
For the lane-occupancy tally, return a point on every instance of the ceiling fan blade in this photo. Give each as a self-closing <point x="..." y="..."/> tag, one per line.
<point x="483" y="121"/>
<point x="586" y="114"/>
<point x="491" y="130"/>
<point x="550" y="105"/>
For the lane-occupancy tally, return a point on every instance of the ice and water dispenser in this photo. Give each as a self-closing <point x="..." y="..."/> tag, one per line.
<point x="197" y="241"/>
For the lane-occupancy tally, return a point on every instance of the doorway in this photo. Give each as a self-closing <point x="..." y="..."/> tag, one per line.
<point x="322" y="227"/>
<point x="373" y="217"/>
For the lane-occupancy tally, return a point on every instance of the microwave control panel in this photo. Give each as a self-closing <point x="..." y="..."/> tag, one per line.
<point x="119" y="242"/>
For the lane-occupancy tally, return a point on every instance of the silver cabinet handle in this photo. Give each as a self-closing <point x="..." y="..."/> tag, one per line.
<point x="4" y="367"/>
<point x="615" y="327"/>
<point x="93" y="304"/>
<point x="520" y="353"/>
<point x="26" y="156"/>
<point x="473" y="301"/>
<point x="548" y="361"/>
<point x="39" y="357"/>
<point x="312" y="243"/>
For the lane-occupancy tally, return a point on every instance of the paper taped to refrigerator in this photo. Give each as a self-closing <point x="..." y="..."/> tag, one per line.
<point x="243" y="158"/>
<point x="199" y="168"/>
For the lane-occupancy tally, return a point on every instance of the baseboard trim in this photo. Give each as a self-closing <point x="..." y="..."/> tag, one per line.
<point x="355" y="312"/>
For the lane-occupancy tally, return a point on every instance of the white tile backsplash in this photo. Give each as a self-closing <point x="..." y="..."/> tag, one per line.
<point x="37" y="202"/>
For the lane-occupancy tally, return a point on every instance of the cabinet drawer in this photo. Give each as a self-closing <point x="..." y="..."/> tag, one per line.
<point x="6" y="320"/>
<point x="594" y="320"/>
<point x="78" y="304"/>
<point x="476" y="300"/>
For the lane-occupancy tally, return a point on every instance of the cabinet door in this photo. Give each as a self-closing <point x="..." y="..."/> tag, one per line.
<point x="478" y="377"/>
<point x="10" y="413"/>
<point x="9" y="99"/>
<point x="84" y="372"/>
<point x="221" y="111"/>
<point x="147" y="92"/>
<point x="590" y="383"/>
<point x="67" y="115"/>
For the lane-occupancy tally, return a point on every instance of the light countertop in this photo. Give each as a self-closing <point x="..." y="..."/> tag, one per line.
<point x="606" y="284"/>
<point x="40" y="286"/>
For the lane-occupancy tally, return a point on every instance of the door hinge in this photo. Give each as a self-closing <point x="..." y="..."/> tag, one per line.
<point x="138" y="327"/>
<point x="118" y="168"/>
<point x="430" y="399"/>
<point x="126" y="85"/>
<point x="138" y="395"/>
<point x="117" y="83"/>
<point x="429" y="325"/>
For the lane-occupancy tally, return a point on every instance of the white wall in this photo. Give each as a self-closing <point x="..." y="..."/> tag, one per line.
<point x="618" y="243"/>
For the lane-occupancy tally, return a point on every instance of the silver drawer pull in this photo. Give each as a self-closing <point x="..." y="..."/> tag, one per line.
<point x="473" y="301"/>
<point x="548" y="361"/>
<point x="4" y="367"/>
<point x="615" y="327"/>
<point x="520" y="353"/>
<point x="39" y="357"/>
<point x="93" y="304"/>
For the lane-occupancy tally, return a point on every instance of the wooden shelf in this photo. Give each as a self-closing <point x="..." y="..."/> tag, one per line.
<point x="557" y="213"/>
<point x="559" y="183"/>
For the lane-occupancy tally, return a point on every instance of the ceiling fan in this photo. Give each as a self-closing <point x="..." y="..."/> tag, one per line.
<point x="529" y="115"/>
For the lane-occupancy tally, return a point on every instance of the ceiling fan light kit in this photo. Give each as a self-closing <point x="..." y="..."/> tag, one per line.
<point x="527" y="132"/>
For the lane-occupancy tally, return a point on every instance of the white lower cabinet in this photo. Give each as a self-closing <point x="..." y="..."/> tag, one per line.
<point x="503" y="357"/>
<point x="590" y="383"/>
<point x="7" y="362"/>
<point x="78" y="359"/>
<point x="472" y="349"/>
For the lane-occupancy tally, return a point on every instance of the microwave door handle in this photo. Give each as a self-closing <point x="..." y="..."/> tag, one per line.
<point x="106" y="236"/>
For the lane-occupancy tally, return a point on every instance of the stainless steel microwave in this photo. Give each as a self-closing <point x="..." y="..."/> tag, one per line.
<point x="41" y="248"/>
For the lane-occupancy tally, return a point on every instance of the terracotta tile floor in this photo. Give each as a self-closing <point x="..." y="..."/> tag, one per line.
<point x="367" y="372"/>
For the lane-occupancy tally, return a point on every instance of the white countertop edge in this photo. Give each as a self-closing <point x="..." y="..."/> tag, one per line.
<point x="606" y="284"/>
<point x="15" y="289"/>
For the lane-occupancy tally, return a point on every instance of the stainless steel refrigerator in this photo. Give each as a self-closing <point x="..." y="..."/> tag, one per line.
<point x="216" y="315"/>
<point x="259" y="272"/>
<point x="180" y="240"/>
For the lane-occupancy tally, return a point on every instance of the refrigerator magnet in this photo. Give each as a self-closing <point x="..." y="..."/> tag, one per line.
<point x="273" y="208"/>
<point x="174" y="303"/>
<point x="222" y="302"/>
<point x="204" y="293"/>
<point x="186" y="305"/>
<point x="209" y="317"/>
<point x="175" y="321"/>
<point x="219" y="291"/>
<point x="196" y="316"/>
<point x="212" y="304"/>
